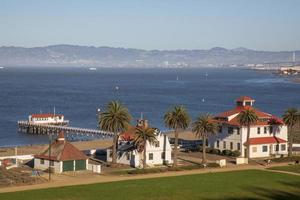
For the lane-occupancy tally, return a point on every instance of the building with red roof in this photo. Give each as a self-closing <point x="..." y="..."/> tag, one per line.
<point x="61" y="156"/>
<point x="268" y="136"/>
<point x="128" y="154"/>
<point x="48" y="118"/>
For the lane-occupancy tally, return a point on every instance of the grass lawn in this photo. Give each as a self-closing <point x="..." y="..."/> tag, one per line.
<point x="289" y="168"/>
<point x="250" y="184"/>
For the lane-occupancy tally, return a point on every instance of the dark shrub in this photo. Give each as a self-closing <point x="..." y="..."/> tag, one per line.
<point x="208" y="149"/>
<point x="235" y="153"/>
<point x="215" y="151"/>
<point x="226" y="152"/>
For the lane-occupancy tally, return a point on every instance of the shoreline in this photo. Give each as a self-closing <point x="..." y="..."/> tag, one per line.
<point x="81" y="145"/>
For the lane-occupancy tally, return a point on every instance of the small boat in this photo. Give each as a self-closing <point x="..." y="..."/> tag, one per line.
<point x="177" y="78"/>
<point x="117" y="88"/>
<point x="1" y="67"/>
<point x="92" y="69"/>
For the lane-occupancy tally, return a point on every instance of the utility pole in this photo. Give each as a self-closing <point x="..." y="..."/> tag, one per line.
<point x="49" y="169"/>
<point x="98" y="112"/>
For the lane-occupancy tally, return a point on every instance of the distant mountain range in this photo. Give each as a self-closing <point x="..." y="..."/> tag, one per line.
<point x="72" y="55"/>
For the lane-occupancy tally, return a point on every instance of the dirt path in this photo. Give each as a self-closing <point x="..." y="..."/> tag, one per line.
<point x="89" y="178"/>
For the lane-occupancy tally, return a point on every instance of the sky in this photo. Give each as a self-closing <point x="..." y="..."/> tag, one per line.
<point x="152" y="24"/>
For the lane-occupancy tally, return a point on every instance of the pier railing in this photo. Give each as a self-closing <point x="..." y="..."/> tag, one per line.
<point x="35" y="128"/>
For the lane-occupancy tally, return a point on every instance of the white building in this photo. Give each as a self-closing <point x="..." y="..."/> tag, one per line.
<point x="47" y="119"/>
<point x="266" y="139"/>
<point x="157" y="154"/>
<point x="63" y="157"/>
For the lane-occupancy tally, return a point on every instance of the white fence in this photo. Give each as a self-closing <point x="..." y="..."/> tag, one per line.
<point x="94" y="168"/>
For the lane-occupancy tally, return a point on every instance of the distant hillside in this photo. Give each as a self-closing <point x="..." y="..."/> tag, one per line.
<point x="71" y="55"/>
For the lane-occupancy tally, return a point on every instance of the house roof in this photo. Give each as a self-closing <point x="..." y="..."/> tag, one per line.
<point x="45" y="115"/>
<point x="266" y="140"/>
<point x="244" y="98"/>
<point x="231" y="117"/>
<point x="62" y="150"/>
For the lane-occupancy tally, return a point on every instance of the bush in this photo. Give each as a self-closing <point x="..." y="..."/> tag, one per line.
<point x="226" y="152"/>
<point x="208" y="149"/>
<point x="235" y="153"/>
<point x="215" y="151"/>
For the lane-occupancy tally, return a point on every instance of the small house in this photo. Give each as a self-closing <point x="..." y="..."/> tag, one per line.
<point x="61" y="156"/>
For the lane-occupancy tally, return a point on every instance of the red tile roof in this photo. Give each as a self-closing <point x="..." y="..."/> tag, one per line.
<point x="46" y="115"/>
<point x="266" y="140"/>
<point x="264" y="118"/>
<point x="244" y="98"/>
<point x="62" y="150"/>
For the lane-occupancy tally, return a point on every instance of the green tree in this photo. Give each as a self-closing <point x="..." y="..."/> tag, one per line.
<point x="116" y="119"/>
<point x="247" y="118"/>
<point x="142" y="136"/>
<point x="204" y="126"/>
<point x="177" y="119"/>
<point x="290" y="118"/>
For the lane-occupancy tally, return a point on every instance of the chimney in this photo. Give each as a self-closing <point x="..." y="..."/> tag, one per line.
<point x="61" y="136"/>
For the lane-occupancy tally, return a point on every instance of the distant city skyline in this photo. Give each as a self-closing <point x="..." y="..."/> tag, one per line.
<point x="258" y="24"/>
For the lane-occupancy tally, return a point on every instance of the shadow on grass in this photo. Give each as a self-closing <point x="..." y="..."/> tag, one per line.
<point x="293" y="193"/>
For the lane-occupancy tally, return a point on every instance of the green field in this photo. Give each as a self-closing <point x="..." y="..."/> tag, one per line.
<point x="250" y="184"/>
<point x="290" y="168"/>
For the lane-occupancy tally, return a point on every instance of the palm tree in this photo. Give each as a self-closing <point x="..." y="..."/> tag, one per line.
<point x="177" y="119"/>
<point x="115" y="119"/>
<point x="247" y="118"/>
<point x="290" y="118"/>
<point x="142" y="136"/>
<point x="203" y="127"/>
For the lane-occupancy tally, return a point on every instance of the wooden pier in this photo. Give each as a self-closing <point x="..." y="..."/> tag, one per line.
<point x="34" y="128"/>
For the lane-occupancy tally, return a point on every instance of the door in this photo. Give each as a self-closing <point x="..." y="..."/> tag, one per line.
<point x="68" y="165"/>
<point x="80" y="165"/>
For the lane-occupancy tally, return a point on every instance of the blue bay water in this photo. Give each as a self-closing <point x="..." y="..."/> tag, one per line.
<point x="78" y="92"/>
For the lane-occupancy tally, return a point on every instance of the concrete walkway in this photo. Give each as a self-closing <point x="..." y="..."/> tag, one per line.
<point x="89" y="178"/>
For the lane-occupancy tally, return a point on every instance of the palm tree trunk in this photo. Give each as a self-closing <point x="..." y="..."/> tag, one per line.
<point x="248" y="143"/>
<point x="114" y="149"/>
<point x="145" y="156"/>
<point x="290" y="140"/>
<point x="203" y="149"/>
<point x="175" y="148"/>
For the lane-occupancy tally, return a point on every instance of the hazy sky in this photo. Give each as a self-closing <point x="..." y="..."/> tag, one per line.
<point x="152" y="24"/>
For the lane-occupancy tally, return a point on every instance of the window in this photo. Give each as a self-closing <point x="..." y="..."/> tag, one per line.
<point x="238" y="130"/>
<point x="254" y="149"/>
<point x="220" y="129"/>
<point x="51" y="163"/>
<point x="42" y="161"/>
<point x="248" y="103"/>
<point x="163" y="155"/>
<point x="157" y="144"/>
<point x="230" y="130"/>
<point x="150" y="156"/>
<point x="264" y="148"/>
<point x="271" y="129"/>
<point x="218" y="143"/>
<point x="238" y="146"/>
<point x="283" y="147"/>
<point x="258" y="130"/>
<point x="128" y="156"/>
<point x="224" y="145"/>
<point x="265" y="130"/>
<point x="231" y="145"/>
<point x="277" y="147"/>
